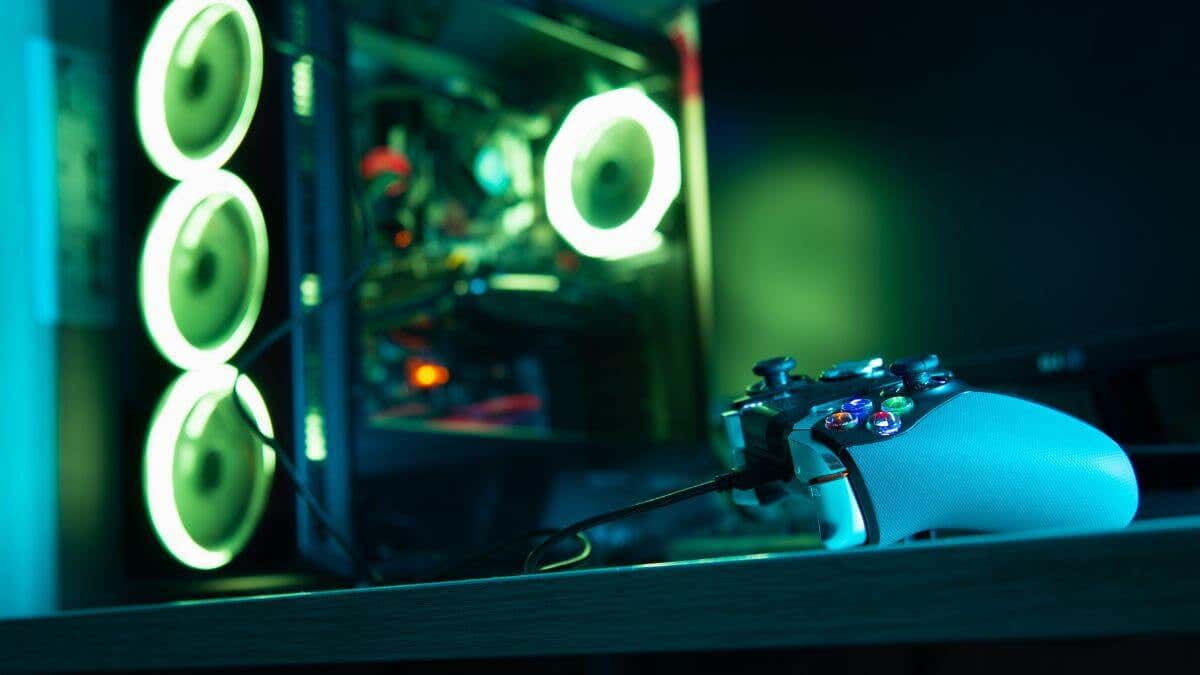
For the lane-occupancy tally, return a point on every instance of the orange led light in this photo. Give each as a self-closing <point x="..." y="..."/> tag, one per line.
<point x="402" y="239"/>
<point x="428" y="375"/>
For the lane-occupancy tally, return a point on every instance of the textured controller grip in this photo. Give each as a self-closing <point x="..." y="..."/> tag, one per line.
<point x="995" y="463"/>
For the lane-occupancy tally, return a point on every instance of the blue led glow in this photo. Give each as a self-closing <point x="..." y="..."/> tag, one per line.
<point x="858" y="406"/>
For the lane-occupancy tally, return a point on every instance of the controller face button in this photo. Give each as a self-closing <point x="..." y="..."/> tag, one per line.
<point x="858" y="406"/>
<point x="841" y="421"/>
<point x="897" y="405"/>
<point x="883" y="423"/>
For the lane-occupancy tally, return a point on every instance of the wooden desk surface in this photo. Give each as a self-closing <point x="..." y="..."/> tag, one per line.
<point x="1138" y="581"/>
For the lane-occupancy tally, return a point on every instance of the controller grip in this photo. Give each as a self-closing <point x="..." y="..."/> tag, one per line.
<point x="994" y="463"/>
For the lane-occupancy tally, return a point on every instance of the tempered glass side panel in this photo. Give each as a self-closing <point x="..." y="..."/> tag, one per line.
<point x="491" y="313"/>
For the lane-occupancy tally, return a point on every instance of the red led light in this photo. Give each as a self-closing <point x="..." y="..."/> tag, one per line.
<point x="381" y="160"/>
<point x="426" y="375"/>
<point x="883" y="423"/>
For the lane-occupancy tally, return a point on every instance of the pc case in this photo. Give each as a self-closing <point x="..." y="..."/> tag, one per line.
<point x="497" y="246"/>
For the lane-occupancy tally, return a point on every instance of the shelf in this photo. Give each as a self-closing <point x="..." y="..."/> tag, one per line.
<point x="1137" y="581"/>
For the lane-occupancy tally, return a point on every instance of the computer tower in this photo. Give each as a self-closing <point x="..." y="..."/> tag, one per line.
<point x="513" y="189"/>
<point x="478" y="345"/>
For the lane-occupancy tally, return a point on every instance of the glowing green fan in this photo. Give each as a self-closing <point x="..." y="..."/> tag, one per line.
<point x="206" y="475"/>
<point x="611" y="172"/>
<point x="204" y="270"/>
<point x="198" y="84"/>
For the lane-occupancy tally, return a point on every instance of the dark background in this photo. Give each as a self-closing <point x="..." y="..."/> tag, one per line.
<point x="953" y="177"/>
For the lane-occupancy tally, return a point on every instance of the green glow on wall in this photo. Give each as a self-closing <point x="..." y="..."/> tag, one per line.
<point x="801" y="239"/>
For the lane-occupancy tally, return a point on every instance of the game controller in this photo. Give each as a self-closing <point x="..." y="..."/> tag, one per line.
<point x="886" y="454"/>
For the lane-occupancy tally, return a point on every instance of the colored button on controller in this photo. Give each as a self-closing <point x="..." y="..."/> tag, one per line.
<point x="858" y="406"/>
<point x="897" y="405"/>
<point x="841" y="421"/>
<point x="883" y="423"/>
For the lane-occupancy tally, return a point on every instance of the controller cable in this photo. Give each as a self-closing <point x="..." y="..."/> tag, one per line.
<point x="740" y="479"/>
<point x="450" y="571"/>
<point x="363" y="569"/>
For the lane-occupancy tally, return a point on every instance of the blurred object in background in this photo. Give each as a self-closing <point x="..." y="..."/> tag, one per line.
<point x="948" y="178"/>
<point x="29" y="548"/>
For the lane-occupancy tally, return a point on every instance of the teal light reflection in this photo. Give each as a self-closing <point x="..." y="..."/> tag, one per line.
<point x="29" y="462"/>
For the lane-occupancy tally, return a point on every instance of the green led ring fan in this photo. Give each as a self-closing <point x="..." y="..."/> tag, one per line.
<point x="203" y="270"/>
<point x="198" y="84"/>
<point x="206" y="475"/>
<point x="610" y="174"/>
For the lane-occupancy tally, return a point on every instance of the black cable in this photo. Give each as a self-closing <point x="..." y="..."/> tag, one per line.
<point x="290" y="324"/>
<point x="446" y="572"/>
<point x="722" y="483"/>
<point x="282" y="458"/>
<point x="347" y="284"/>
<point x="363" y="568"/>
<point x="251" y="355"/>
<point x="574" y="560"/>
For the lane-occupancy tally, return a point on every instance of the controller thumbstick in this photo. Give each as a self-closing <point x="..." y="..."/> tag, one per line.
<point x="914" y="370"/>
<point x="775" y="371"/>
